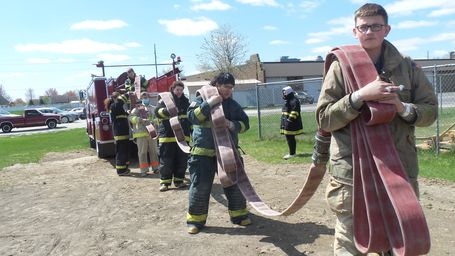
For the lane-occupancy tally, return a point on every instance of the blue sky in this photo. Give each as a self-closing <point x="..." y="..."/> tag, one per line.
<point x="54" y="43"/>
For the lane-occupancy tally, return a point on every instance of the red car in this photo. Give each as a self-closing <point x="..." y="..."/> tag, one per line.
<point x="30" y="118"/>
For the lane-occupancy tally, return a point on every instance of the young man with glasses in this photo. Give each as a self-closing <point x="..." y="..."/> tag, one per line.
<point x="415" y="104"/>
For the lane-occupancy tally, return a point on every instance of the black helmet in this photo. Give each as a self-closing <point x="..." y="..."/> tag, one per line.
<point x="223" y="78"/>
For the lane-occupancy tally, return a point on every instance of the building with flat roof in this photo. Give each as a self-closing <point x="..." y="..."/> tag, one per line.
<point x="291" y="69"/>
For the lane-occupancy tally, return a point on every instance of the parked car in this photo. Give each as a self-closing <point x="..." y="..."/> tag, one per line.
<point x="304" y="98"/>
<point x="6" y="113"/>
<point x="67" y="116"/>
<point x="79" y="111"/>
<point x="30" y="118"/>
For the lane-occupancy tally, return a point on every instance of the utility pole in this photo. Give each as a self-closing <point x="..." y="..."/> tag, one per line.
<point x="156" y="66"/>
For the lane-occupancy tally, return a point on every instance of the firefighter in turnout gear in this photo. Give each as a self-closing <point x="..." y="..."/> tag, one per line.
<point x="139" y="118"/>
<point x="129" y="82"/>
<point x="117" y="106"/>
<point x="202" y="164"/>
<point x="291" y="120"/>
<point x="173" y="161"/>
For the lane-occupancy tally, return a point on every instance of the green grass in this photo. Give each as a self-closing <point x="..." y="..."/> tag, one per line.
<point x="273" y="147"/>
<point x="440" y="167"/>
<point x="31" y="148"/>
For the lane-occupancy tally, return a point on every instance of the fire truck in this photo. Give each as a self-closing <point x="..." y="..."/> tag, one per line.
<point x="99" y="125"/>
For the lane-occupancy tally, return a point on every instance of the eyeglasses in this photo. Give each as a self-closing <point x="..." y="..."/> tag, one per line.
<point x="373" y="27"/>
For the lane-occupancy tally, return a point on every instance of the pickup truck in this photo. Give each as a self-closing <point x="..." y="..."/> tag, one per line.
<point x="30" y="118"/>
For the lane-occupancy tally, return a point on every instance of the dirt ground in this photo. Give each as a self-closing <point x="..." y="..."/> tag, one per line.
<point x="75" y="204"/>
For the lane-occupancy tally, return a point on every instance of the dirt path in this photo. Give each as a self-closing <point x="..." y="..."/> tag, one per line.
<point x="75" y="204"/>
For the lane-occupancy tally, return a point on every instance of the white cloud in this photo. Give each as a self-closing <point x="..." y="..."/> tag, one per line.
<point x="113" y="58"/>
<point x="409" y="44"/>
<point x="441" y="54"/>
<point x="325" y="36"/>
<point x="416" y="44"/>
<point x="278" y="42"/>
<point x="342" y="21"/>
<point x="189" y="27"/>
<point x="259" y="2"/>
<point x="415" y="24"/>
<point x="315" y="40"/>
<point x="76" y="77"/>
<point x="132" y="45"/>
<point x="442" y="12"/>
<point x="338" y="26"/>
<point x="214" y="5"/>
<point x="309" y="6"/>
<point x="268" y="27"/>
<point x="98" y="25"/>
<point x="408" y="7"/>
<point x="13" y="74"/>
<point x="301" y="8"/>
<point x="65" y="60"/>
<point x="450" y="37"/>
<point x="38" y="60"/>
<point x="71" y="47"/>
<point x="47" y="60"/>
<point x="323" y="50"/>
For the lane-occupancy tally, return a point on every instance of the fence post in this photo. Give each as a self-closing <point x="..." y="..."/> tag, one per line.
<point x="437" y="86"/>
<point x="259" y="112"/>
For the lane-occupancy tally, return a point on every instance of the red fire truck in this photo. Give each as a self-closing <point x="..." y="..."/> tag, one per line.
<point x="99" y="124"/>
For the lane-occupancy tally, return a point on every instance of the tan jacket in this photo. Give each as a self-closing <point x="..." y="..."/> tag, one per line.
<point x="334" y="113"/>
<point x="139" y="119"/>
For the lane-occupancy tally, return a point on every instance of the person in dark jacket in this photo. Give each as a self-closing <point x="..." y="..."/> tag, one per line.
<point x="173" y="161"/>
<point x="117" y="106"/>
<point x="131" y="78"/>
<point x="202" y="164"/>
<point x="291" y="121"/>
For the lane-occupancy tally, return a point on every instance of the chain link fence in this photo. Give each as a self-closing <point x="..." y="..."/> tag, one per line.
<point x="439" y="136"/>
<point x="270" y="101"/>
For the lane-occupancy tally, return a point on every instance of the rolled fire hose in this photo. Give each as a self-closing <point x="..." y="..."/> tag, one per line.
<point x="231" y="169"/>
<point x="174" y="121"/>
<point x="386" y="211"/>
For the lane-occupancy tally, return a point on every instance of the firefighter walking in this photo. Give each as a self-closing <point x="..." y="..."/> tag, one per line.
<point x="173" y="161"/>
<point x="117" y="106"/>
<point x="203" y="161"/>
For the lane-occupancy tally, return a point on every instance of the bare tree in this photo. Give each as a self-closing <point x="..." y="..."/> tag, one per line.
<point x="222" y="50"/>
<point x="51" y="94"/>
<point x="72" y="95"/>
<point x="29" y="94"/>
<point x="4" y="94"/>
